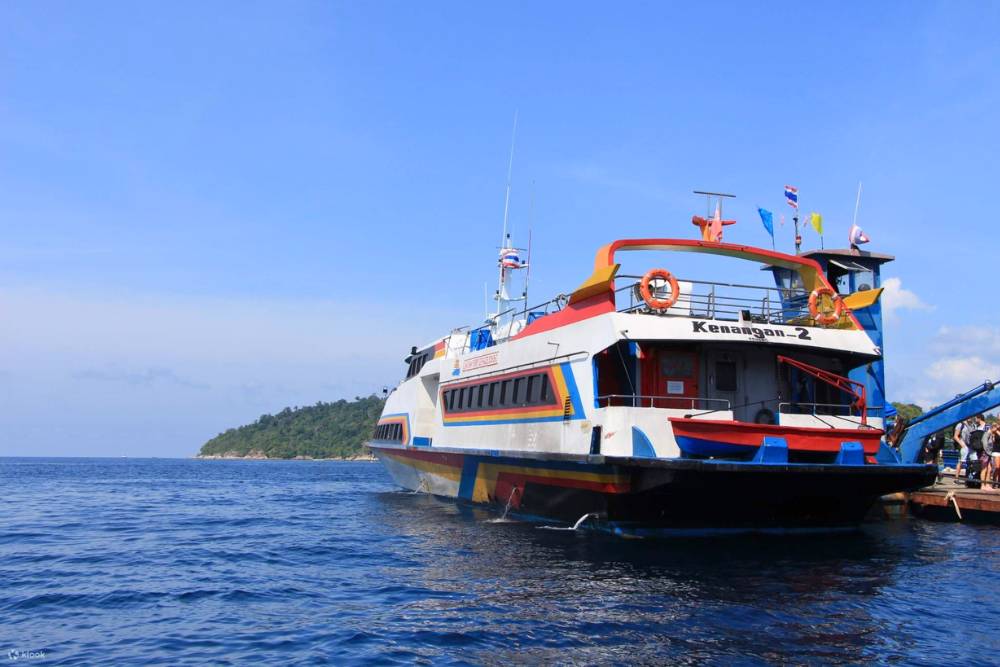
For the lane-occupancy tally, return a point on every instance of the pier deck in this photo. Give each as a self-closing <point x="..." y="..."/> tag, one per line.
<point x="947" y="500"/>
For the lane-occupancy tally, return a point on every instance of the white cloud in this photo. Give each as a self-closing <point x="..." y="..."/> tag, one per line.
<point x="896" y="298"/>
<point x="966" y="340"/>
<point x="958" y="359"/>
<point x="961" y="373"/>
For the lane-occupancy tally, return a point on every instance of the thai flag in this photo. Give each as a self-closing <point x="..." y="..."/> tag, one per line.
<point x="509" y="259"/>
<point x="792" y="196"/>
<point x="856" y="236"/>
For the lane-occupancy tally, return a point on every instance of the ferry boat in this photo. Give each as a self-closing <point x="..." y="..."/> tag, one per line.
<point x="651" y="402"/>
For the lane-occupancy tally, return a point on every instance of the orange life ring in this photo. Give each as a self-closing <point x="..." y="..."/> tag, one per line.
<point x="825" y="319"/>
<point x="647" y="295"/>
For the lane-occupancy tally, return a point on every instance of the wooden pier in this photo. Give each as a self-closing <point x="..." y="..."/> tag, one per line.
<point x="949" y="501"/>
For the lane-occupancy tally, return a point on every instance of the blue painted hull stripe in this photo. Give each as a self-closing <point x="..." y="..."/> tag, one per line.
<point x="470" y="469"/>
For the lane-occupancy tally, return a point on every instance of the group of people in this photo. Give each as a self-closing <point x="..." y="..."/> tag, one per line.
<point x="979" y="447"/>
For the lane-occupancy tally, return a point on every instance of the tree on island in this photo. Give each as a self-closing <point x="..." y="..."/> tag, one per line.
<point x="324" y="430"/>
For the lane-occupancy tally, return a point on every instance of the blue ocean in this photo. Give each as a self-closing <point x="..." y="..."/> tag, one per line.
<point x="126" y="561"/>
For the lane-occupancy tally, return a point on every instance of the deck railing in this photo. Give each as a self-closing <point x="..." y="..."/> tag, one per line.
<point x="825" y="409"/>
<point x="723" y="301"/>
<point x="705" y="299"/>
<point x="678" y="402"/>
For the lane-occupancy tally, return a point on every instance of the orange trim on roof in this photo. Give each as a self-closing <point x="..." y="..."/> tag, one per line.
<point x="596" y="295"/>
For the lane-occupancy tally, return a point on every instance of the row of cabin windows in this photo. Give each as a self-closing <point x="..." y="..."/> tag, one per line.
<point x="521" y="391"/>
<point x="417" y="362"/>
<point x="389" y="432"/>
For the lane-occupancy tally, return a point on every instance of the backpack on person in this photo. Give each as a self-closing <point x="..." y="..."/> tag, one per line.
<point x="975" y="441"/>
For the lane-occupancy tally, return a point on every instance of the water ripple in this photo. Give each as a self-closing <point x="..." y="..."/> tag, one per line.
<point x="194" y="562"/>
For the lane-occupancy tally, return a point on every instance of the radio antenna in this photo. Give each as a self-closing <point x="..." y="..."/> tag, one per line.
<point x="857" y="204"/>
<point x="531" y="220"/>
<point x="510" y="169"/>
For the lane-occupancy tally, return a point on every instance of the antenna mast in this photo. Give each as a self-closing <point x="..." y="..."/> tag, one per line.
<point x="502" y="296"/>
<point x="857" y="204"/>
<point x="510" y="168"/>
<point x="531" y="220"/>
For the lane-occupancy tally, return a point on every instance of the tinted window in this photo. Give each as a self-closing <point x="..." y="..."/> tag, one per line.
<point x="492" y="400"/>
<point x="725" y="376"/>
<point x="543" y="391"/>
<point x="479" y="395"/>
<point x="531" y="393"/>
<point x="518" y="396"/>
<point x="505" y="398"/>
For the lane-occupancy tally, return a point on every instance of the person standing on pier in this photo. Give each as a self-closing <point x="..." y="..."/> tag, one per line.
<point x="960" y="436"/>
<point x="972" y="437"/>
<point x="991" y="457"/>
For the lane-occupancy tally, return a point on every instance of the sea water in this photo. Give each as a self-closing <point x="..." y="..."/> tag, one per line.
<point x="128" y="561"/>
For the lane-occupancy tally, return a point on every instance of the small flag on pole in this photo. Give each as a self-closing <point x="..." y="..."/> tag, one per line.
<point x="817" y="222"/>
<point x="856" y="236"/>
<point x="767" y="218"/>
<point x="792" y="196"/>
<point x="509" y="259"/>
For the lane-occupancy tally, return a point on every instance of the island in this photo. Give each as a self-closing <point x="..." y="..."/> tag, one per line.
<point x="335" y="430"/>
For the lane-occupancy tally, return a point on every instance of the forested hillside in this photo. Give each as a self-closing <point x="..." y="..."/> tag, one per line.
<point x="324" y="430"/>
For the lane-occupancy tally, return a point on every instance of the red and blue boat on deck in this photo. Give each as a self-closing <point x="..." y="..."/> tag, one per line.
<point x="708" y="439"/>
<point x="653" y="401"/>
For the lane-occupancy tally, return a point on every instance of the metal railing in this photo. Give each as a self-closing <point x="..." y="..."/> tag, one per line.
<point x="679" y="402"/>
<point x="711" y="300"/>
<point x="716" y="300"/>
<point x="825" y="409"/>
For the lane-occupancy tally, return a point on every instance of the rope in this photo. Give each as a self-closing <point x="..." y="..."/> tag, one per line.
<point x="951" y="497"/>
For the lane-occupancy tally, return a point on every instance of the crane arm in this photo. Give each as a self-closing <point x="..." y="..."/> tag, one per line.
<point x="980" y="399"/>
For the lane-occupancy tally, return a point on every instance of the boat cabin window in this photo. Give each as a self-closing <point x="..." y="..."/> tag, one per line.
<point x="494" y="394"/>
<point x="518" y="390"/>
<point x="543" y="390"/>
<point x="391" y="432"/>
<point x="417" y="362"/>
<point x="725" y="376"/>
<point x="525" y="390"/>
<point x="677" y="365"/>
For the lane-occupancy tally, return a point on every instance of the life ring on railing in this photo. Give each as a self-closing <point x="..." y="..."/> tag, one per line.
<point x="825" y="319"/>
<point x="647" y="294"/>
<point x="764" y="416"/>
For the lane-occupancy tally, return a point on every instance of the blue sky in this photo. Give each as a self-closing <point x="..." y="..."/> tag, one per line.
<point x="210" y="211"/>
